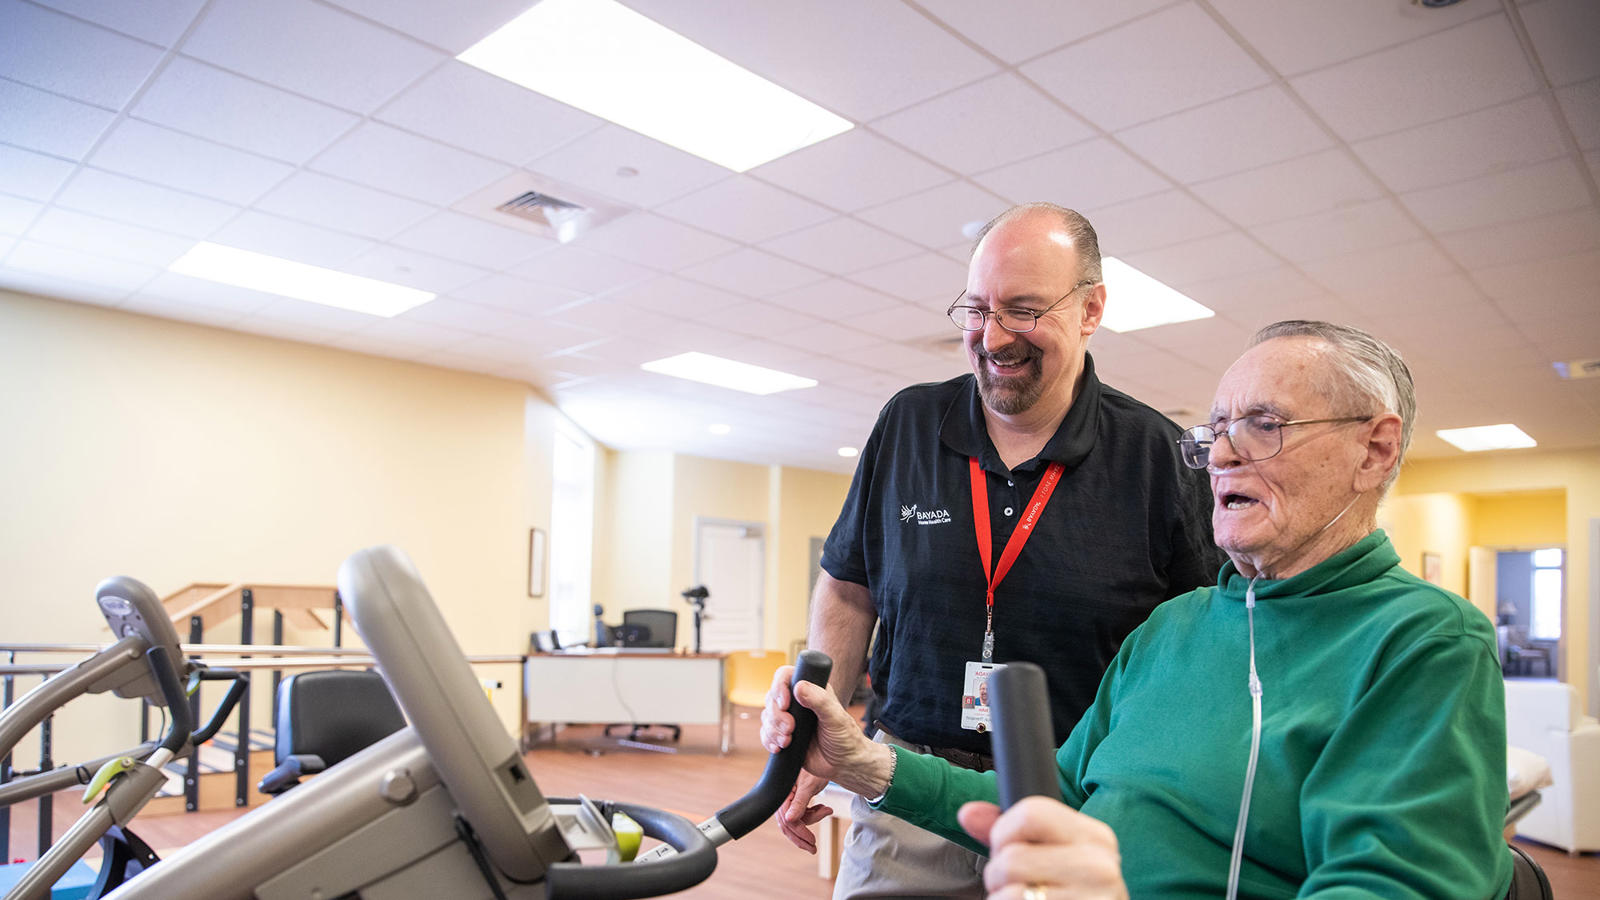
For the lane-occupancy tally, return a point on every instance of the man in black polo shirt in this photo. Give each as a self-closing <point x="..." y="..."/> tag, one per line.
<point x="1090" y="520"/>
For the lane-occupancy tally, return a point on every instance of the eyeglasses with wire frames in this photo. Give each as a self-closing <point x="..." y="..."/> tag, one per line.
<point x="1015" y="319"/>
<point x="1254" y="438"/>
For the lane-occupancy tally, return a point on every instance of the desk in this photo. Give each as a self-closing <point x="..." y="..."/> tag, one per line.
<point x="632" y="685"/>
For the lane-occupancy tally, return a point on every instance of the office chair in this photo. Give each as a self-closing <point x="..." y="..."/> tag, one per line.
<point x="660" y="625"/>
<point x="326" y="717"/>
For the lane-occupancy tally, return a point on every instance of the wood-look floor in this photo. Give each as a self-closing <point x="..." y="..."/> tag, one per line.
<point x="695" y="782"/>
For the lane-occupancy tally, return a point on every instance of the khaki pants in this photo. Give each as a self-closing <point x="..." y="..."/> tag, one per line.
<point x="884" y="856"/>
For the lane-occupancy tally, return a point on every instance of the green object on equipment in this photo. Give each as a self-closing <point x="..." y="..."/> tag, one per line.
<point x="110" y="770"/>
<point x="629" y="837"/>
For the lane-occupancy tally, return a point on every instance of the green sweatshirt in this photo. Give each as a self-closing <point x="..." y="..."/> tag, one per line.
<point x="1382" y="763"/>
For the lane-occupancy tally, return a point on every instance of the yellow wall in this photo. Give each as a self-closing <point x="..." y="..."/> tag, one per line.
<point x="1573" y="475"/>
<point x="810" y="502"/>
<point x="1431" y="523"/>
<point x="1520" y="520"/>
<point x="176" y="453"/>
<point x="633" y="532"/>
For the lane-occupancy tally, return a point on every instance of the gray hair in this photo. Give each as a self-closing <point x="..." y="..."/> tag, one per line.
<point x="1369" y="373"/>
<point x="1084" y="239"/>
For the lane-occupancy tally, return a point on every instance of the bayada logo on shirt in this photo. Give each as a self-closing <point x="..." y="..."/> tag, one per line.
<point x="909" y="514"/>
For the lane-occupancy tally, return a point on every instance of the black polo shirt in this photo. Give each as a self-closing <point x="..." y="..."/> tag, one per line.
<point x="1128" y="527"/>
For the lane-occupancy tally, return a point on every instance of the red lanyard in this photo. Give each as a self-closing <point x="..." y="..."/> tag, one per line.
<point x="1024" y="530"/>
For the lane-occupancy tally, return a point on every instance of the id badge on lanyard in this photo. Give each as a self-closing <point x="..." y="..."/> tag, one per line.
<point x="974" y="683"/>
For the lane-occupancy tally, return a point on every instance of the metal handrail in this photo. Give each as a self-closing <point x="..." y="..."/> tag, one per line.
<point x="190" y="649"/>
<point x="267" y="661"/>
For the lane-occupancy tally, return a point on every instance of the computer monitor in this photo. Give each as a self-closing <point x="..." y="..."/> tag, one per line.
<point x="659" y="627"/>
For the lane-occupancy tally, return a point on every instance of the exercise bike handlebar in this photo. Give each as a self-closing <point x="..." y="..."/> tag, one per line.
<point x="742" y="816"/>
<point x="1024" y="760"/>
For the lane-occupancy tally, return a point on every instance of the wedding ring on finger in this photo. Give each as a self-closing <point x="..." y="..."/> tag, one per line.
<point x="1033" y="892"/>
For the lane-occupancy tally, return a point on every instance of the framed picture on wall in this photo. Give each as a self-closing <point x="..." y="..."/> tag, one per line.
<point x="1432" y="568"/>
<point x="536" y="562"/>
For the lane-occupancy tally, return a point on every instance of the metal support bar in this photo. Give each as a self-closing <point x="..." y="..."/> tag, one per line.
<point x="47" y="803"/>
<point x="7" y="694"/>
<point x="277" y="674"/>
<point x="241" y="748"/>
<point x="191" y="775"/>
<point x="338" y="620"/>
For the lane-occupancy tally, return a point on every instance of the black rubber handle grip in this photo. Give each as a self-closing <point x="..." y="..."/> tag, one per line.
<point x="694" y="862"/>
<point x="1024" y="739"/>
<point x="745" y="814"/>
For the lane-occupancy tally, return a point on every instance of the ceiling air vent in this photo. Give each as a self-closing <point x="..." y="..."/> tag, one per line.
<point x="543" y="206"/>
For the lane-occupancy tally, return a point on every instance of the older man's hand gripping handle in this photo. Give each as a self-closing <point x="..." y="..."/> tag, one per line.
<point x="784" y="766"/>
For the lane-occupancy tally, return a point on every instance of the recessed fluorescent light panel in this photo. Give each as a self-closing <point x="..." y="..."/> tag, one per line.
<point x="1134" y="300"/>
<point x="848" y="452"/>
<point x="286" y="278"/>
<point x="720" y="428"/>
<point x="606" y="59"/>
<point x="708" y="369"/>
<point x="1488" y="437"/>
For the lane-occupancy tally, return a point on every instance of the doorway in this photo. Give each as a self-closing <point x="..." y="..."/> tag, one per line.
<point x="1530" y="587"/>
<point x="730" y="559"/>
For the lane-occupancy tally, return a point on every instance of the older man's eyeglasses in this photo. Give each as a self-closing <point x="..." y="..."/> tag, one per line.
<point x="1254" y="438"/>
<point x="1016" y="319"/>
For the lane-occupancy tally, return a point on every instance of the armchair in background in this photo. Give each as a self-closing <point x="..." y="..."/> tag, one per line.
<point x="1543" y="717"/>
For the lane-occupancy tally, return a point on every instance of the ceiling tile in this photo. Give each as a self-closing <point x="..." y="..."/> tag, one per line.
<point x="471" y="240"/>
<point x="996" y="121"/>
<point x="413" y="269"/>
<point x="1557" y="235"/>
<point x="236" y="301"/>
<point x="452" y="28"/>
<point x="607" y="316"/>
<point x="162" y="307"/>
<point x="1297" y="187"/>
<point x="1022" y="29"/>
<point x="207" y="102"/>
<point x="104" y="237"/>
<point x="1580" y="103"/>
<point x="59" y="288"/>
<point x="518" y="295"/>
<point x="826" y="337"/>
<point x="342" y="206"/>
<point x="1299" y="37"/>
<point x="834" y="299"/>
<point x="1565" y="34"/>
<point x="1092" y="174"/>
<point x="328" y="319"/>
<point x="407" y="333"/>
<point x="1523" y="193"/>
<point x="467" y="107"/>
<point x="1469" y="67"/>
<point x="389" y="159"/>
<point x="285" y="330"/>
<point x="1381" y="269"/>
<point x="1345" y="230"/>
<point x="902" y="321"/>
<point x="32" y="175"/>
<point x="310" y="49"/>
<point x="917" y="279"/>
<point x="854" y="170"/>
<point x="47" y="123"/>
<point x="938" y="216"/>
<point x="137" y="202"/>
<point x="1440" y="294"/>
<point x="758" y="319"/>
<point x="628" y="166"/>
<point x="1237" y="133"/>
<point x="64" y="56"/>
<point x="1238" y="294"/>
<point x="581" y="270"/>
<point x="176" y="160"/>
<point x="651" y="240"/>
<point x="537" y="333"/>
<point x="1468" y="146"/>
<point x="16" y="214"/>
<point x="275" y="236"/>
<point x="752" y="273"/>
<point x="1159" y="220"/>
<point x="745" y="209"/>
<point x="672" y="296"/>
<point x="157" y="21"/>
<point x="1202" y="259"/>
<point x="1560" y="279"/>
<point x="841" y="246"/>
<point x="1148" y="68"/>
<point x="73" y="265"/>
<point x="860" y="60"/>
